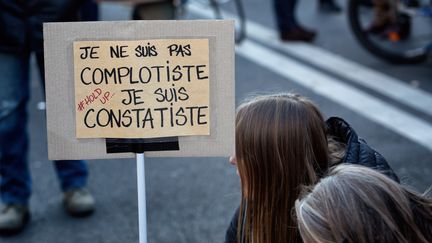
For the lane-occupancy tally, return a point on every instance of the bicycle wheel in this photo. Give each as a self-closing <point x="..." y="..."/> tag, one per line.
<point x="408" y="45"/>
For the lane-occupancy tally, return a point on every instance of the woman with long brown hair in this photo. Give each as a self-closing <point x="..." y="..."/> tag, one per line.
<point x="355" y="204"/>
<point x="282" y="142"/>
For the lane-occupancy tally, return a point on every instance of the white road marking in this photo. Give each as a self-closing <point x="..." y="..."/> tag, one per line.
<point x="370" y="107"/>
<point x="367" y="77"/>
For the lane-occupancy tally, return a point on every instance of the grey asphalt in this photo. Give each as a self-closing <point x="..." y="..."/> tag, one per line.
<point x="192" y="199"/>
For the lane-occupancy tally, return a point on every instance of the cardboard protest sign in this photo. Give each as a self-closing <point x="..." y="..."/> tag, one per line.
<point x="142" y="89"/>
<point x="118" y="97"/>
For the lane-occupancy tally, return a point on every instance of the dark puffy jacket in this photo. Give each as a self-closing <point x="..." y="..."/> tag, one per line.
<point x="357" y="152"/>
<point x="21" y="21"/>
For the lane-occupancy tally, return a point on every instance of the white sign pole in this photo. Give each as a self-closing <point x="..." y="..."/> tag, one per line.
<point x="142" y="214"/>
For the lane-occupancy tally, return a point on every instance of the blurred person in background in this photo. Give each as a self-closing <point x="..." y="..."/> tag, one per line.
<point x="355" y="204"/>
<point x="283" y="142"/>
<point x="89" y="11"/>
<point x="288" y="26"/>
<point x="154" y="10"/>
<point x="20" y="36"/>
<point x="329" y="6"/>
<point x="384" y="15"/>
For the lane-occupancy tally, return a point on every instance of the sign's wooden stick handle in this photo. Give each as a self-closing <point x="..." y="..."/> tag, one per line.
<point x="142" y="214"/>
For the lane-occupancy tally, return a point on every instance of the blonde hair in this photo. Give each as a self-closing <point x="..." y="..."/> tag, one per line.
<point x="280" y="144"/>
<point x="361" y="205"/>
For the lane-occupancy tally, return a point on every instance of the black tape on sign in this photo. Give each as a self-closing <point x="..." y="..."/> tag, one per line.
<point x="141" y="145"/>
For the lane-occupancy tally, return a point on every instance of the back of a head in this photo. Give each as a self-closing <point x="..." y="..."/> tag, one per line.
<point x="358" y="204"/>
<point x="280" y="144"/>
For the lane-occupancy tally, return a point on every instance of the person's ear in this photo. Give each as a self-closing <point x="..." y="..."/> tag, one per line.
<point x="233" y="160"/>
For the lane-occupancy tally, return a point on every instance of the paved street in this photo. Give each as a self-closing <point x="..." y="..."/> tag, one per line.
<point x="191" y="200"/>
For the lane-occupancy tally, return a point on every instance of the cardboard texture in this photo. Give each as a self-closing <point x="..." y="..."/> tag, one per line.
<point x="60" y="91"/>
<point x="142" y="89"/>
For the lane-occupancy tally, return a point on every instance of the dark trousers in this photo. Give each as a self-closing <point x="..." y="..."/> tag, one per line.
<point x="15" y="180"/>
<point x="285" y="16"/>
